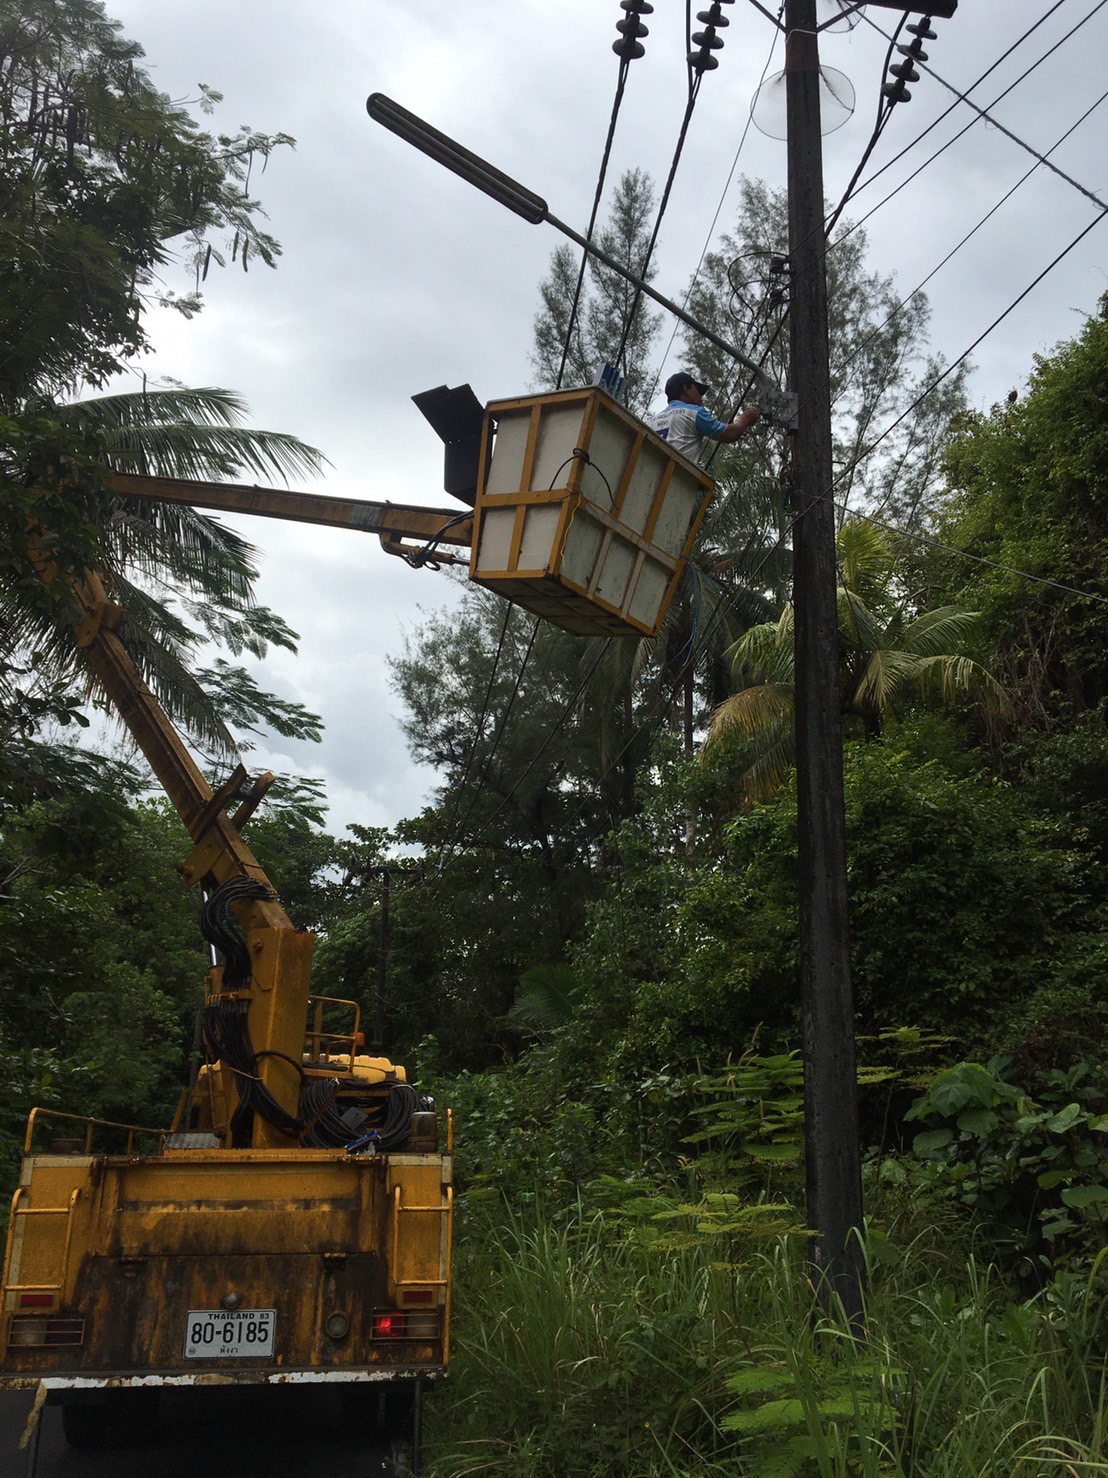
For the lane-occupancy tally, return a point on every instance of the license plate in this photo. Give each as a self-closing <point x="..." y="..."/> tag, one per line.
<point x="216" y="1334"/>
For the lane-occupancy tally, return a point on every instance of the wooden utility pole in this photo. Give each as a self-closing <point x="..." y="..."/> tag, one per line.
<point x="832" y="1154"/>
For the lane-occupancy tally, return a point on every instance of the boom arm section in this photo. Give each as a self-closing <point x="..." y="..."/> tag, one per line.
<point x="276" y="995"/>
<point x="395" y="524"/>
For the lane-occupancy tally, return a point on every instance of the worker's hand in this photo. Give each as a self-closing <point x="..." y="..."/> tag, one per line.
<point x="748" y="420"/>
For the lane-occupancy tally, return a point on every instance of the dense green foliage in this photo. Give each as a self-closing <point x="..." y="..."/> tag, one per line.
<point x="105" y="180"/>
<point x="1030" y="499"/>
<point x="102" y="962"/>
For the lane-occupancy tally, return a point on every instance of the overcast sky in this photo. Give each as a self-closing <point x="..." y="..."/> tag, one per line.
<point x="397" y="277"/>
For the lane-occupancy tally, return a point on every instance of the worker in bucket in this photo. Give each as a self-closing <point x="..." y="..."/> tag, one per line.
<point x="686" y="424"/>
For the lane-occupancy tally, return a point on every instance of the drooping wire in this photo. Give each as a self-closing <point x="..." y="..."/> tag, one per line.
<point x="578" y="453"/>
<point x="950" y="368"/>
<point x="621" y="83"/>
<point x="498" y="734"/>
<point x="885" y="107"/>
<point x="919" y="537"/>
<point x="716" y="216"/>
<point x="695" y="78"/>
<point x="559" y="722"/>
<point x="478" y="735"/>
<point x="972" y="232"/>
<point x="982" y="113"/>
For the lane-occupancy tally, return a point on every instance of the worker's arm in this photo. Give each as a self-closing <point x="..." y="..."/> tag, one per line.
<point x="739" y="428"/>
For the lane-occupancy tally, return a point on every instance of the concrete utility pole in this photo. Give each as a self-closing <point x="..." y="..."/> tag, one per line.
<point x="832" y="1154"/>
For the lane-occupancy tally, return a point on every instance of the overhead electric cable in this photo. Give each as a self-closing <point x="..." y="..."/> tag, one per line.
<point x="850" y="190"/>
<point x="499" y="731"/>
<point x="929" y="539"/>
<point x="696" y="67"/>
<point x="716" y="216"/>
<point x="545" y="745"/>
<point x="885" y="107"/>
<point x="621" y="83"/>
<point x="982" y="113"/>
<point x="653" y="720"/>
<point x="478" y="735"/>
<point x="972" y="232"/>
<point x="950" y="368"/>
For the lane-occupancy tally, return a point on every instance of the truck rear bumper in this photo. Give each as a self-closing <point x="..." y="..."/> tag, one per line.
<point x="47" y="1384"/>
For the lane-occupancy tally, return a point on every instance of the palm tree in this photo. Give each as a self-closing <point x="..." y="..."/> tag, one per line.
<point x="182" y="577"/>
<point x="886" y="652"/>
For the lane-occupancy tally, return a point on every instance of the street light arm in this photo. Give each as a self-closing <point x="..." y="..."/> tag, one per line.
<point x="775" y="404"/>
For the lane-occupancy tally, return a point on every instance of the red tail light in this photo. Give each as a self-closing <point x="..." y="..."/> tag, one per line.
<point x="389" y="1326"/>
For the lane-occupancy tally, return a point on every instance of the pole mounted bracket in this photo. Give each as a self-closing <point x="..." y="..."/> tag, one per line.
<point x="779" y="407"/>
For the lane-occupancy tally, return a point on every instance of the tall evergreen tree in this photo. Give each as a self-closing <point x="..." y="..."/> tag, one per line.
<point x="575" y="335"/>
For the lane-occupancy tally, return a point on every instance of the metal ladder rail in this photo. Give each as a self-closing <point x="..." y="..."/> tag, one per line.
<point x="20" y="1211"/>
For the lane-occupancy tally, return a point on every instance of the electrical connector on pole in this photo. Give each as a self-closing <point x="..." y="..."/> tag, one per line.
<point x="779" y="407"/>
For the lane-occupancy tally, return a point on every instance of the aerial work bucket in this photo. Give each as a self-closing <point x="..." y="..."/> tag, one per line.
<point x="584" y="516"/>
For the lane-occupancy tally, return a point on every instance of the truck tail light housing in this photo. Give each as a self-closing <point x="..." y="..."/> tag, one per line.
<point x="407" y="1324"/>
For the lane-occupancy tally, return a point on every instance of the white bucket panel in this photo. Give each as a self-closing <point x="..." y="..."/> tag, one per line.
<point x="682" y="500"/>
<point x="496" y="539"/>
<point x="650" y="587"/>
<point x="616" y="572"/>
<point x="610" y="447"/>
<point x="509" y="450"/>
<point x="643" y="487"/>
<point x="582" y="543"/>
<point x="540" y="528"/>
<point x="559" y="433"/>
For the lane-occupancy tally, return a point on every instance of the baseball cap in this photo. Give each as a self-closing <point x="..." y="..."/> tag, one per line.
<point x="678" y="382"/>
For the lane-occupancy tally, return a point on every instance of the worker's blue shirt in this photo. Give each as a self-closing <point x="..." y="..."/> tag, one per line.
<point x="686" y="426"/>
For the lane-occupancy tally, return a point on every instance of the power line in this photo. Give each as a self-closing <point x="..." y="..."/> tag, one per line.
<point x="921" y="538"/>
<point x="972" y="232"/>
<point x="479" y="728"/>
<point x="621" y="82"/>
<point x="698" y="64"/>
<point x="981" y="114"/>
<point x="501" y="727"/>
<point x="545" y="745"/>
<point x="884" y="113"/>
<point x="716" y="216"/>
<point x="950" y="368"/>
<point x="986" y="73"/>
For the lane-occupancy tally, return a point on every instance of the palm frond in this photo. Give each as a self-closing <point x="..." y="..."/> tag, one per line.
<point x="175" y="688"/>
<point x="186" y="548"/>
<point x="859" y="626"/>
<point x="885" y="673"/>
<point x="947" y="629"/>
<point x="771" y="767"/>
<point x="958" y="678"/>
<point x="765" y="653"/>
<point x="751" y="711"/>
<point x="190" y="433"/>
<point x="866" y="561"/>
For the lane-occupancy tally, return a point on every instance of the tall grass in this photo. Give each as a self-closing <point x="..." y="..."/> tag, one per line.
<point x="582" y="1350"/>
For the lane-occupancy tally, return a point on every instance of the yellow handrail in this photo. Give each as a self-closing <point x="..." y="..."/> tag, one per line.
<point x="90" y="1124"/>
